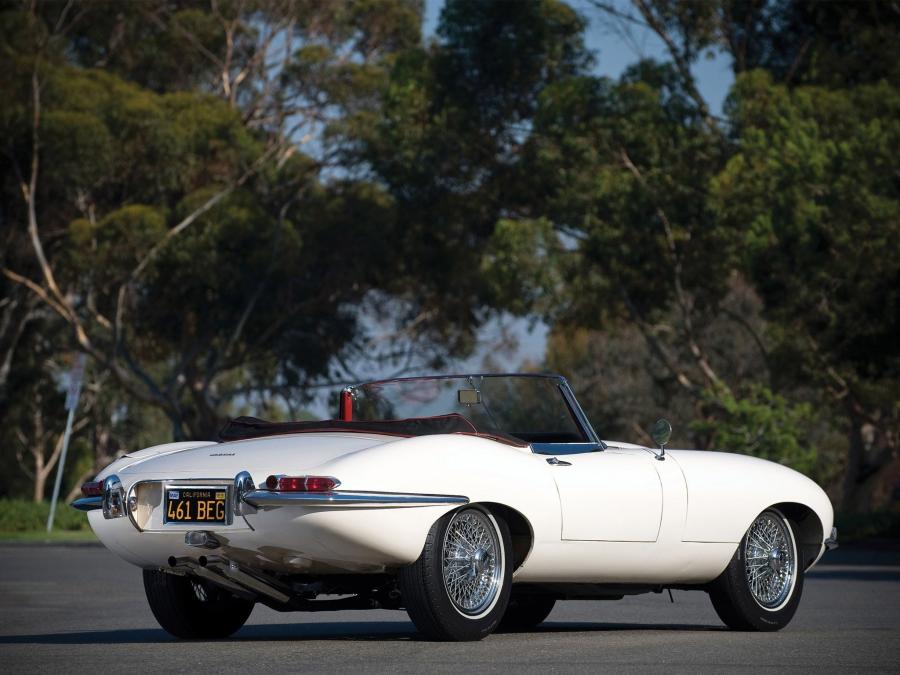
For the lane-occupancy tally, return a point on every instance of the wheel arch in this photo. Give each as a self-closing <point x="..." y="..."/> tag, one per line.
<point x="520" y="530"/>
<point x="808" y="529"/>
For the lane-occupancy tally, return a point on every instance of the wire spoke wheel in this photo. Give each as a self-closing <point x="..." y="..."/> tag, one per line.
<point x="472" y="562"/>
<point x="770" y="564"/>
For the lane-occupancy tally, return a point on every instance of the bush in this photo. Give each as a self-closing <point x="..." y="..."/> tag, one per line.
<point x="20" y="515"/>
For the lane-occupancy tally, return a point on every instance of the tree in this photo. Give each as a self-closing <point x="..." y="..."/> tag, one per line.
<point x="168" y="209"/>
<point x="811" y="182"/>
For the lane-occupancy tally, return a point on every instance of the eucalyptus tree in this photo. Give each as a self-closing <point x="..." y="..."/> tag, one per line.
<point x="175" y="198"/>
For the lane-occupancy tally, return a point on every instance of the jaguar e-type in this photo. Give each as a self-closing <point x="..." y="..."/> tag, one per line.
<point x="473" y="502"/>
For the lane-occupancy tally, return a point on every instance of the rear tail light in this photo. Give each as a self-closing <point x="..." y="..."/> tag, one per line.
<point x="302" y="483"/>
<point x="93" y="488"/>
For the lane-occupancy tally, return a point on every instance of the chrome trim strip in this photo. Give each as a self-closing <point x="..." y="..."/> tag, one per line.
<point x="582" y="419"/>
<point x="87" y="503"/>
<point x="271" y="498"/>
<point x="831" y="543"/>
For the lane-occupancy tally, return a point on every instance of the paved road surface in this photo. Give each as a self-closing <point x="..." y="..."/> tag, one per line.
<point x="80" y="609"/>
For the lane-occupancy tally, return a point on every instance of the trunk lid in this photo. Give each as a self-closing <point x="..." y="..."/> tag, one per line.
<point x="291" y="454"/>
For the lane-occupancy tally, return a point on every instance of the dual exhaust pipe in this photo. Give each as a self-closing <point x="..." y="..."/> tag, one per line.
<point x="228" y="574"/>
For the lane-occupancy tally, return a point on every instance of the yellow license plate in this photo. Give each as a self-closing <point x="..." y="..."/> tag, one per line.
<point x="196" y="505"/>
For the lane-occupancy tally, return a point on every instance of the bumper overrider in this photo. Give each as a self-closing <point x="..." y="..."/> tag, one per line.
<point x="110" y="496"/>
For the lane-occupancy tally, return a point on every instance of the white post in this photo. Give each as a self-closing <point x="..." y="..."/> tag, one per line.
<point x="71" y="404"/>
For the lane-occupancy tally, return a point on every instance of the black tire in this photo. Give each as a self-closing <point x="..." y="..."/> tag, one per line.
<point x="733" y="598"/>
<point x="177" y="605"/>
<point x="425" y="594"/>
<point x="524" y="612"/>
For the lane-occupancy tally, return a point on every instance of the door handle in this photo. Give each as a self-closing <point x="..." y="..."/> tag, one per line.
<point x="555" y="461"/>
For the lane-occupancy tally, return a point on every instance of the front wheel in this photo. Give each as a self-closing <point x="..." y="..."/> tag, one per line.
<point x="191" y="608"/>
<point x="459" y="587"/>
<point x="761" y="587"/>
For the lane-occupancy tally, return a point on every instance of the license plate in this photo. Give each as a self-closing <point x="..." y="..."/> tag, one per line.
<point x="197" y="505"/>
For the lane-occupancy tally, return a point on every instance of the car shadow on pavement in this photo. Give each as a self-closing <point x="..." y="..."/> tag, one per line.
<point x="396" y="630"/>
<point x="592" y="627"/>
<point x="349" y="631"/>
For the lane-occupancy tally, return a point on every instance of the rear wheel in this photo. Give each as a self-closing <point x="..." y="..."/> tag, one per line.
<point x="761" y="587"/>
<point x="459" y="587"/>
<point x="524" y="612"/>
<point x="191" y="608"/>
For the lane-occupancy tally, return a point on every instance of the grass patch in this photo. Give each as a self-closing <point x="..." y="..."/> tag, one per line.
<point x="20" y="515"/>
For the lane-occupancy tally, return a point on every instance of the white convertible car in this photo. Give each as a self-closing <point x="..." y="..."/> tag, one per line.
<point x="474" y="502"/>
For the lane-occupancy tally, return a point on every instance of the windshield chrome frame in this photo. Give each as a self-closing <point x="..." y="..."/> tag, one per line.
<point x="578" y="415"/>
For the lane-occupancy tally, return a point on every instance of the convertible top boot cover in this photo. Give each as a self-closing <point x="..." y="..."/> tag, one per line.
<point x="251" y="427"/>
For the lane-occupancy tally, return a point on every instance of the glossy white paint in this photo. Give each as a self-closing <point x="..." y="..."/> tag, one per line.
<point x="725" y="491"/>
<point x="615" y="495"/>
<point x="613" y="516"/>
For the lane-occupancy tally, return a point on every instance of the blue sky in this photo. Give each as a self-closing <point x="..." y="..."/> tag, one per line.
<point x="614" y="51"/>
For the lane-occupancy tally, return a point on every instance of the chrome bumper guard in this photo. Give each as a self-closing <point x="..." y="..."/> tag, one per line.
<point x="831" y="543"/>
<point x="87" y="503"/>
<point x="112" y="499"/>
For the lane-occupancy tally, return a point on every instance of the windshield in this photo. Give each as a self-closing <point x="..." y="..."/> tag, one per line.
<point x="532" y="408"/>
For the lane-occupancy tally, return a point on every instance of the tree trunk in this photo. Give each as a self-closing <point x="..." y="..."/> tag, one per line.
<point x="40" y="479"/>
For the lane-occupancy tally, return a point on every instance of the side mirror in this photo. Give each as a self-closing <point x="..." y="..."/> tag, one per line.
<point x="661" y="433"/>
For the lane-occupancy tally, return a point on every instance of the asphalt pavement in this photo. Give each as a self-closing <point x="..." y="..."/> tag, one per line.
<point x="80" y="609"/>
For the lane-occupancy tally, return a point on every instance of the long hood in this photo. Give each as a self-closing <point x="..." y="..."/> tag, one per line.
<point x="288" y="454"/>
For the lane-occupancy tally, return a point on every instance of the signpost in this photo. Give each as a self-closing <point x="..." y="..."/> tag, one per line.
<point x="74" y="393"/>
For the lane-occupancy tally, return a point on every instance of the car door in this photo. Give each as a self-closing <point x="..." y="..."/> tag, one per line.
<point x="609" y="495"/>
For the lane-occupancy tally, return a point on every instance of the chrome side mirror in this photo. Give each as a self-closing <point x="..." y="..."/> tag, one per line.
<point x="661" y="433"/>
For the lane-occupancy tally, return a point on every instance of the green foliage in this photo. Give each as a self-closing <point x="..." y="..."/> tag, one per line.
<point x="760" y="423"/>
<point x="520" y="264"/>
<point x="812" y="183"/>
<point x="18" y="515"/>
<point x="734" y="272"/>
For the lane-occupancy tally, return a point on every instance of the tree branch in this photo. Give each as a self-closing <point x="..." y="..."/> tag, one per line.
<point x="681" y="298"/>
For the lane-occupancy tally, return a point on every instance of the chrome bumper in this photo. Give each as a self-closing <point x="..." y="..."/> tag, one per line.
<point x="831" y="543"/>
<point x="113" y="501"/>
<point x="263" y="498"/>
<point x="87" y="503"/>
